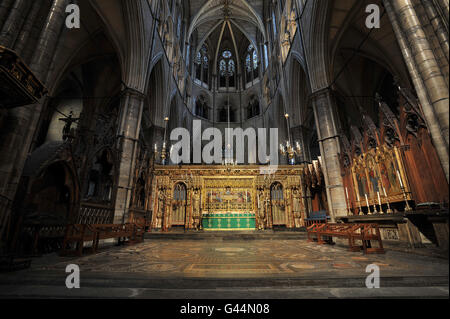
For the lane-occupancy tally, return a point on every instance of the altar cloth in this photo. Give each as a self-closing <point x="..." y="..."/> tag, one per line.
<point x="221" y="221"/>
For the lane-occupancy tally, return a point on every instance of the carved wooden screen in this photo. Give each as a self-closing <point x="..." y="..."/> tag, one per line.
<point x="277" y="201"/>
<point x="179" y="205"/>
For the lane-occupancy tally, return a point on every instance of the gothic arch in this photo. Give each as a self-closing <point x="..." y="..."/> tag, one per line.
<point x="157" y="91"/>
<point x="300" y="91"/>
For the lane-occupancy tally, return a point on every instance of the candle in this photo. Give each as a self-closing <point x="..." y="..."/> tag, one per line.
<point x="357" y="196"/>
<point x="367" y="201"/>
<point x="379" y="198"/>
<point x="346" y="192"/>
<point x="400" y="179"/>
<point x="384" y="191"/>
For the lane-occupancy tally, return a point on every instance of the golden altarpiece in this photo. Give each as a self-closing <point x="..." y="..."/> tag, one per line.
<point x="227" y="198"/>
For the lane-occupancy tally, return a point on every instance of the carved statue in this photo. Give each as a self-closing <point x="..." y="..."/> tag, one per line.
<point x="196" y="210"/>
<point x="167" y="217"/>
<point x="297" y="207"/>
<point x="262" y="216"/>
<point x="160" y="212"/>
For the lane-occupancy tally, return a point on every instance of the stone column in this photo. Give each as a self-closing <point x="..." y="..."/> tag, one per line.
<point x="128" y="133"/>
<point x="4" y="10"/>
<point x="27" y="27"/>
<point x="13" y="24"/>
<point x="324" y="111"/>
<point x="428" y="110"/>
<point x="48" y="39"/>
<point x="438" y="25"/>
<point x="427" y="66"/>
<point x="24" y="120"/>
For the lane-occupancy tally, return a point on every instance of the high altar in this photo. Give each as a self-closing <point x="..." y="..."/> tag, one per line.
<point x="227" y="198"/>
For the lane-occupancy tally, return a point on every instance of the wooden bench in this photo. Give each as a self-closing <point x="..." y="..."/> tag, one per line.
<point x="140" y="228"/>
<point x="352" y="232"/>
<point x="319" y="217"/>
<point x="79" y="234"/>
<point x="114" y="231"/>
<point x="368" y="233"/>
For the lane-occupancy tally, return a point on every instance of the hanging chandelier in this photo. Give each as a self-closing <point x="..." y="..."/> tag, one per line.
<point x="287" y="149"/>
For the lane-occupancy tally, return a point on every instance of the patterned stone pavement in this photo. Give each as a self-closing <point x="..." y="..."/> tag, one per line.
<point x="249" y="259"/>
<point x="230" y="269"/>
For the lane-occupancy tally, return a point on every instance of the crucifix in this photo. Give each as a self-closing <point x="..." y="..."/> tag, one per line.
<point x="68" y="126"/>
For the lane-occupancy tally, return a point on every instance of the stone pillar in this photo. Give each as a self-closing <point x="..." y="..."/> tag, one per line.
<point x="27" y="27"/>
<point x="324" y="111"/>
<point x="428" y="67"/>
<point x="427" y="107"/>
<point x="13" y="24"/>
<point x="5" y="5"/>
<point x="130" y="122"/>
<point x="24" y="120"/>
<point x="438" y="25"/>
<point x="48" y="39"/>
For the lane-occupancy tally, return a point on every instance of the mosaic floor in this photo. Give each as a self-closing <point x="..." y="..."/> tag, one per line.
<point x="250" y="259"/>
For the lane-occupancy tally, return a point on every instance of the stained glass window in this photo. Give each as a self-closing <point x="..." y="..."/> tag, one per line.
<point x="248" y="63"/>
<point x="223" y="68"/>
<point x="198" y="59"/>
<point x="255" y="60"/>
<point x="202" y="57"/>
<point x="227" y="54"/>
<point x="227" y="66"/>
<point x="231" y="68"/>
<point x="252" y="60"/>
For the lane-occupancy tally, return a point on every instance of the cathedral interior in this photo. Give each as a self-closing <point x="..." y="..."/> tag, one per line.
<point x="348" y="98"/>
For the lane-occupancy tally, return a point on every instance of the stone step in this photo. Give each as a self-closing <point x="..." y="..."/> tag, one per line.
<point x="227" y="235"/>
<point x="142" y="280"/>
<point x="52" y="292"/>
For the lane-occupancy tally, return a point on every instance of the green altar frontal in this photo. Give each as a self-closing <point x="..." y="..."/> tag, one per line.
<point x="229" y="221"/>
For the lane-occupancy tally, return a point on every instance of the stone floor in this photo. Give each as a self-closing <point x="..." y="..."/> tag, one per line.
<point x="215" y="268"/>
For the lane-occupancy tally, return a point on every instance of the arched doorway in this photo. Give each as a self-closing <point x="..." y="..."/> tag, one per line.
<point x="178" y="218"/>
<point x="279" y="217"/>
<point x="50" y="201"/>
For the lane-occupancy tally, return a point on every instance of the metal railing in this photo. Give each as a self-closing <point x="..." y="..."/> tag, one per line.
<point x="95" y="214"/>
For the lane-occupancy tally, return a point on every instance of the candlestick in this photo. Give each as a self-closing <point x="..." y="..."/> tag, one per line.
<point x="368" y="206"/>
<point x="407" y="207"/>
<point x="348" y="202"/>
<point x="379" y="202"/>
<point x="400" y="179"/>
<point x="389" y="210"/>
<point x="374" y="207"/>
<point x="359" y="204"/>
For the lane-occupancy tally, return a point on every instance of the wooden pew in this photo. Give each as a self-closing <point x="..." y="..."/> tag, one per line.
<point x="319" y="217"/>
<point x="114" y="231"/>
<point x="368" y="233"/>
<point x="131" y="232"/>
<point x="352" y="232"/>
<point x="79" y="234"/>
<point x="140" y="228"/>
<point x="313" y="229"/>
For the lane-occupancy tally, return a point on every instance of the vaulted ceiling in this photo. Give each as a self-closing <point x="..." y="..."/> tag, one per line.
<point x="236" y="21"/>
